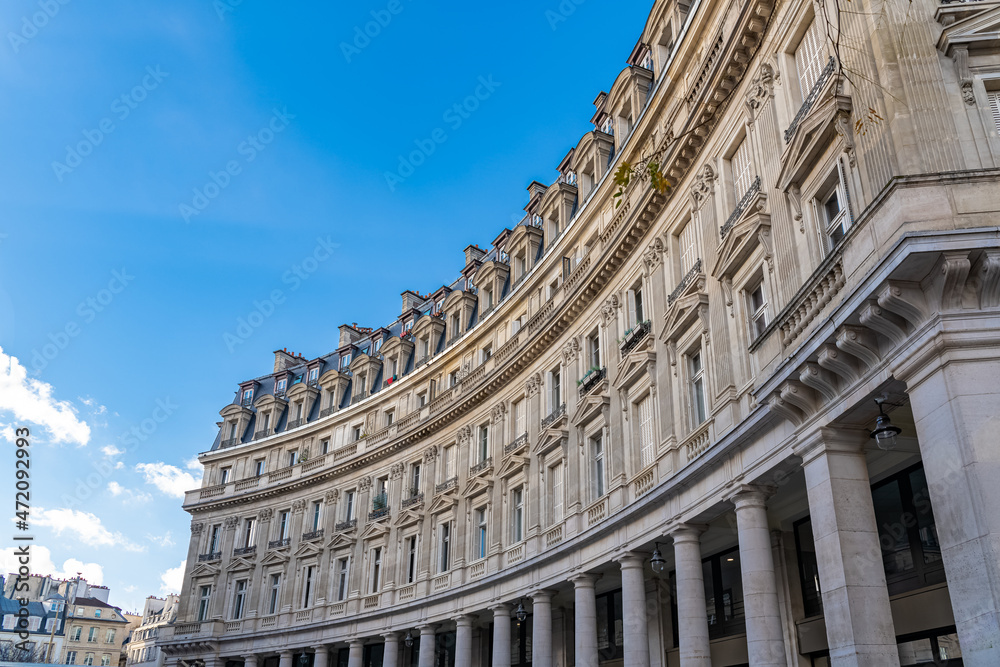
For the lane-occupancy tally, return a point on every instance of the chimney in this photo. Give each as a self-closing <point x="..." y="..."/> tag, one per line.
<point x="536" y="189"/>
<point x="473" y="254"/>
<point x="411" y="300"/>
<point x="348" y="334"/>
<point x="283" y="359"/>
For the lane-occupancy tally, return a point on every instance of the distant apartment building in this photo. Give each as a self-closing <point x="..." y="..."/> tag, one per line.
<point x="142" y="649"/>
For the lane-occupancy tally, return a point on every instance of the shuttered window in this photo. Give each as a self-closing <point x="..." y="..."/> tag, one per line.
<point x="742" y="170"/>
<point x="647" y="443"/>
<point x="809" y="57"/>
<point x="994" y="97"/>
<point x="688" y="247"/>
<point x="556" y="486"/>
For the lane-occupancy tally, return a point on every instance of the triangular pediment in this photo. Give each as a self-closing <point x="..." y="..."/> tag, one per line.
<point x="744" y="237"/>
<point x="512" y="465"/>
<point x="374" y="530"/>
<point x="205" y="569"/>
<point x="340" y="540"/>
<point x="812" y="136"/>
<point x="477" y="485"/>
<point x="408" y="517"/>
<point x="683" y="313"/>
<point x="975" y="25"/>
<point x="590" y="407"/>
<point x="307" y="549"/>
<point x="640" y="360"/>
<point x="549" y="439"/>
<point x="275" y="557"/>
<point x="240" y="564"/>
<point x="442" y="503"/>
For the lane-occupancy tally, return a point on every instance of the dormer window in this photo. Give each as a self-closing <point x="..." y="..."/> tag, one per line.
<point x="298" y="379"/>
<point x="489" y="298"/>
<point x="282" y="384"/>
<point x="608" y="126"/>
<point x="345" y="360"/>
<point x="378" y="345"/>
<point x="647" y="61"/>
<point x="365" y="349"/>
<point x="313" y="375"/>
<point x="408" y="325"/>
<point x="247" y="396"/>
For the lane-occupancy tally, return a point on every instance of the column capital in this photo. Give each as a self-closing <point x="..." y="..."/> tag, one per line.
<point x="842" y="439"/>
<point x="685" y="532"/>
<point x="584" y="580"/>
<point x="750" y="495"/>
<point x="355" y="642"/>
<point x="427" y="628"/>
<point x="463" y="621"/>
<point x="500" y="608"/>
<point x="286" y="653"/>
<point x="319" y="647"/>
<point x="249" y="656"/>
<point x="630" y="560"/>
<point x="542" y="595"/>
<point x="390" y="636"/>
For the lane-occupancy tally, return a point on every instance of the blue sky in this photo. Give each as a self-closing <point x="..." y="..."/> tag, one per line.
<point x="165" y="167"/>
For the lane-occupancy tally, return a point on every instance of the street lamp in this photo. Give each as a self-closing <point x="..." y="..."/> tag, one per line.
<point x="408" y="639"/>
<point x="520" y="614"/>
<point x="56" y="601"/>
<point x="656" y="560"/>
<point x="885" y="433"/>
<point x="303" y="660"/>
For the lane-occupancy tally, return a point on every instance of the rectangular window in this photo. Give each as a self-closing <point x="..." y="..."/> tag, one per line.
<point x="555" y="390"/>
<point x="809" y="58"/>
<point x="267" y="423"/>
<point x="481" y="534"/>
<point x="636" y="312"/>
<point x="283" y="524"/>
<point x="342" y="579"/>
<point x="249" y="532"/>
<point x="215" y="539"/>
<point x="316" y="514"/>
<point x="414" y="479"/>
<point x="307" y="585"/>
<point x="444" y="547"/>
<point x="389" y="417"/>
<point x="757" y="308"/>
<point x="812" y="597"/>
<point x="596" y="467"/>
<point x="77" y="630"/>
<point x="411" y="559"/>
<point x="697" y="381"/>
<point x="224" y="475"/>
<point x="594" y="349"/>
<point x="239" y="598"/>
<point x="487" y="353"/>
<point x="70" y="657"/>
<point x="517" y="409"/>
<point x="994" y="99"/>
<point x="275" y="595"/>
<point x="687" y="246"/>
<point x="483" y="451"/>
<point x="449" y="463"/>
<point x="421" y="399"/>
<point x="556" y="493"/>
<point x="293" y="457"/>
<point x="742" y="171"/>
<point x="646" y="436"/>
<point x="517" y="515"/>
<point x="92" y="635"/>
<point x="610" y="626"/>
<point x="376" y="569"/>
<point x="109" y="636"/>
<point x="282" y="384"/>
<point x="89" y="659"/>
<point x="324" y="447"/>
<point x="258" y="467"/>
<point x="313" y="374"/>
<point x="835" y="210"/>
<point x="247" y="396"/>
<point x="349" y="505"/>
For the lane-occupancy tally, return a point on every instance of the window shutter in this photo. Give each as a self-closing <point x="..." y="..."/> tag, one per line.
<point x="742" y="170"/>
<point x="647" y="442"/>
<point x="687" y="246"/>
<point x="557" y="493"/>
<point x="809" y="58"/>
<point x="994" y="97"/>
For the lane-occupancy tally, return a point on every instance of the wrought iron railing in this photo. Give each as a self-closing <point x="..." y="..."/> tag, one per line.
<point x="215" y="555"/>
<point x="414" y="499"/>
<point x="229" y="442"/>
<point x="449" y="483"/>
<point x="481" y="466"/>
<point x="295" y="423"/>
<point x="740" y="207"/>
<point x="592" y="379"/>
<point x="261" y="434"/>
<point x="685" y="283"/>
<point x="326" y="412"/>
<point x="554" y="415"/>
<point x="380" y="513"/>
<point x="518" y="443"/>
<point x="313" y="535"/>
<point x="242" y="551"/>
<point x="634" y="336"/>
<point x="810" y="99"/>
<point x="350" y="524"/>
<point x="277" y="544"/>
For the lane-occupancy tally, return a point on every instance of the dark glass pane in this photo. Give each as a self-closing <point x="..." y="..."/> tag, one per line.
<point x="731" y="592"/>
<point x="619" y="619"/>
<point x="892" y="533"/>
<point x="924" y="517"/>
<point x="603" y="625"/>
<point x="812" y="599"/>
<point x="706" y="572"/>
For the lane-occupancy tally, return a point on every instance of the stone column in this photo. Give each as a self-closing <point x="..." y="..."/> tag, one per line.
<point x="634" y="610"/>
<point x="585" y="627"/>
<point x="859" y="626"/>
<point x="285" y="659"/>
<point x="501" y="635"/>
<point x="692" y="621"/>
<point x="321" y="656"/>
<point x="956" y="410"/>
<point x="541" y="628"/>
<point x="427" y="639"/>
<point x="390" y="652"/>
<point x="250" y="660"/>
<point x="463" y="641"/>
<point x="765" y="643"/>
<point x="356" y="653"/>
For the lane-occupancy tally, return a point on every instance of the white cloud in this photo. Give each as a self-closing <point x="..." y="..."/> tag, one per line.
<point x="169" y="479"/>
<point x="172" y="579"/>
<point x="131" y="589"/>
<point x="41" y="563"/>
<point x="31" y="401"/>
<point x="111" y="451"/>
<point x="161" y="540"/>
<point x="116" y="489"/>
<point x="87" y="528"/>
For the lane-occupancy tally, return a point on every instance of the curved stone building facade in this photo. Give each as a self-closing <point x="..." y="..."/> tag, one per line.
<point x="636" y="429"/>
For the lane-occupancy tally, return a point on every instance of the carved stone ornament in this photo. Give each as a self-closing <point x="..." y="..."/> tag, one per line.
<point x="464" y="435"/>
<point x="396" y="471"/>
<point x="332" y="495"/>
<point x="653" y="254"/>
<point x="298" y="506"/>
<point x="794" y="195"/>
<point x="231" y="522"/>
<point x="961" y="57"/>
<point x="365" y="483"/>
<point x="499" y="410"/>
<point x="703" y="186"/>
<point x="197" y="528"/>
<point x="265" y="514"/>
<point x="610" y="308"/>
<point x="533" y="384"/>
<point x="761" y="90"/>
<point x="842" y="122"/>
<point x="968" y="94"/>
<point x="571" y="350"/>
<point x="430" y="454"/>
